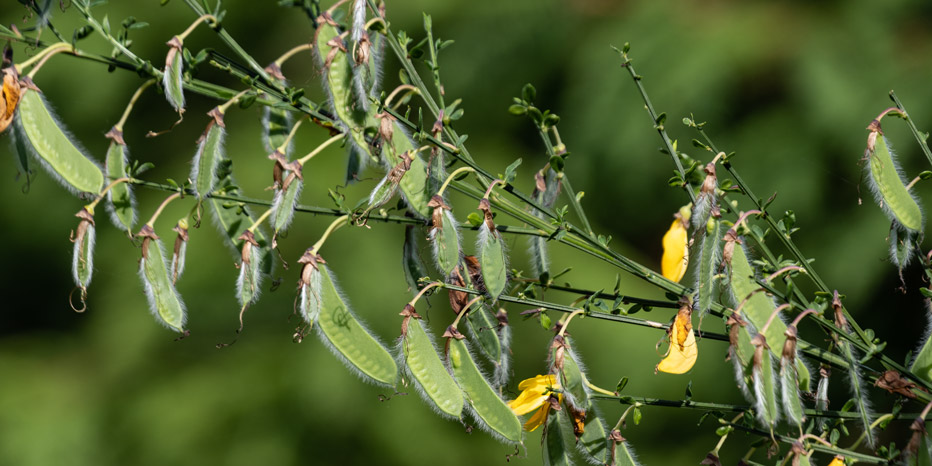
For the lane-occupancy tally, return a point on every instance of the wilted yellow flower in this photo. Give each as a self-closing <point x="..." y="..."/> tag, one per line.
<point x="683" y="349"/>
<point x="676" y="247"/>
<point x="535" y="394"/>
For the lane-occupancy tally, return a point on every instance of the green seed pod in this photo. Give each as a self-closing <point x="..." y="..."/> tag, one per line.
<point x="485" y="405"/>
<point x="367" y="56"/>
<point x="546" y="190"/>
<point x="208" y="156"/>
<point x="232" y="218"/>
<point x="82" y="264"/>
<point x="740" y="352"/>
<point x="710" y="258"/>
<point x="276" y="125"/>
<point x="487" y="331"/>
<point x="902" y="245"/>
<point x="249" y="281"/>
<point x="176" y="268"/>
<point x="589" y="429"/>
<point x="557" y="439"/>
<point x="706" y="206"/>
<point x="888" y="183"/>
<point x="310" y="287"/>
<point x="331" y="53"/>
<point x="388" y="186"/>
<point x="758" y="308"/>
<point x="172" y="83"/>
<point x="342" y="332"/>
<point x="444" y="237"/>
<point x="765" y="384"/>
<point x="821" y="394"/>
<point x="622" y="453"/>
<point x="52" y="146"/>
<point x="414" y="185"/>
<point x="164" y="301"/>
<point x="285" y="200"/>
<point x="411" y="259"/>
<point x="482" y="326"/>
<point x="492" y="254"/>
<point x="789" y="384"/>
<point x="858" y="389"/>
<point x="422" y="365"/>
<point x="121" y="203"/>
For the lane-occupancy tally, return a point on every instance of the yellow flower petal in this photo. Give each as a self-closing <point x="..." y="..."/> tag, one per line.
<point x="538" y="418"/>
<point x="675" y="251"/>
<point x="838" y="461"/>
<point x="683" y="349"/>
<point x="534" y="393"/>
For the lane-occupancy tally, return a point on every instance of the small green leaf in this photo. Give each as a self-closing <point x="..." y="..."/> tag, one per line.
<point x="545" y="321"/>
<point x="510" y="171"/>
<point x="621" y="385"/>
<point x="528" y="93"/>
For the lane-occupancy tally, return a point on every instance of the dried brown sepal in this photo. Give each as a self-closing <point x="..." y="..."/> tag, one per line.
<point x="502" y="318"/>
<point x="734" y="323"/>
<point x="436" y="218"/>
<point x="275" y="71"/>
<point x="363" y="49"/>
<point x="486" y="209"/>
<point x="386" y="126"/>
<point x="458" y="299"/>
<point x="217" y="115"/>
<point x="452" y="332"/>
<point x="438" y="125"/>
<point x="249" y="241"/>
<point x="309" y="261"/>
<point x="919" y="430"/>
<point x="278" y="168"/>
<point x="116" y="136"/>
<point x="789" y="346"/>
<point x="147" y="234"/>
<point x="558" y="347"/>
<point x="409" y="311"/>
<point x="840" y="320"/>
<point x="894" y="382"/>
<point x="730" y="238"/>
<point x="475" y="272"/>
<point x="540" y="184"/>
<point x="711" y="460"/>
<point x="760" y="344"/>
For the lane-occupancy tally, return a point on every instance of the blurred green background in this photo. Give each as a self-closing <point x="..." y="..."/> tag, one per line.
<point x="789" y="86"/>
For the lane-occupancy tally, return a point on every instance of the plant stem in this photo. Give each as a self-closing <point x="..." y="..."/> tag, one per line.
<point x="199" y="20"/>
<point x="912" y="127"/>
<point x="339" y="222"/>
<point x="155" y="216"/>
<point x="132" y="102"/>
<point x="303" y="160"/>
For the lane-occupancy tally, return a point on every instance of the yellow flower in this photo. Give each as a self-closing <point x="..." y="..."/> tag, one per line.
<point x="535" y="394"/>
<point x="676" y="247"/>
<point x="683" y="349"/>
<point x="837" y="461"/>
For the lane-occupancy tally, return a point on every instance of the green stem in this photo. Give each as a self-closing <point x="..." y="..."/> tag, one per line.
<point x="184" y="35"/>
<point x="41" y="56"/>
<point x="668" y="144"/>
<point x="132" y="102"/>
<point x="265" y="215"/>
<point x="912" y="127"/>
<point x="339" y="222"/>
<point x="450" y="177"/>
<point x="155" y="216"/>
<point x="303" y="160"/>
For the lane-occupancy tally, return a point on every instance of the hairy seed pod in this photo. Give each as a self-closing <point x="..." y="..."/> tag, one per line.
<point x="310" y="287"/>
<point x="757" y="307"/>
<point x="855" y="378"/>
<point x="164" y="301"/>
<point x="249" y="281"/>
<point x="340" y="330"/>
<point x="19" y="147"/>
<point x="789" y="384"/>
<point x="492" y="255"/>
<point x="546" y="189"/>
<point x="740" y="352"/>
<point x="765" y="384"/>
<point x="208" y="156"/>
<point x="331" y="53"/>
<point x="82" y="264"/>
<point x="821" y="393"/>
<point x="286" y="198"/>
<point x="50" y="143"/>
<point x="557" y="439"/>
<point x="591" y="434"/>
<point x="176" y="268"/>
<point x="172" y="83"/>
<point x="484" y="403"/>
<point x="622" y="453"/>
<point x="422" y="365"/>
<point x="388" y="186"/>
<point x="415" y="185"/>
<point x="710" y="259"/>
<point x="888" y="183"/>
<point x="444" y="236"/>
<point x="276" y="125"/>
<point x="707" y="201"/>
<point x="902" y="246"/>
<point x="233" y="218"/>
<point x="121" y="203"/>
